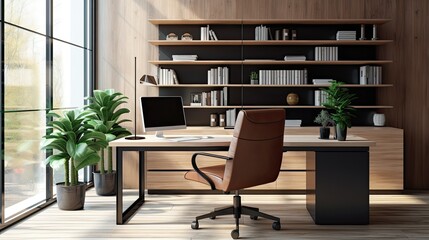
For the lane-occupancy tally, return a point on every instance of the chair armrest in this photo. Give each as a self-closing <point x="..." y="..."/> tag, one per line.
<point x="197" y="169"/>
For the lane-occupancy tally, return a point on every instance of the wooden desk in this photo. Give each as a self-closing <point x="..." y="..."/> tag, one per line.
<point x="337" y="180"/>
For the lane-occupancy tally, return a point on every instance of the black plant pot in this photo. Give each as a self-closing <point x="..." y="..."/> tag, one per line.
<point x="105" y="184"/>
<point x="325" y="132"/>
<point x="71" y="197"/>
<point x="341" y="133"/>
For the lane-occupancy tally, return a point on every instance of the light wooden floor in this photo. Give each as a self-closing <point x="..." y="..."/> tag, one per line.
<point x="169" y="217"/>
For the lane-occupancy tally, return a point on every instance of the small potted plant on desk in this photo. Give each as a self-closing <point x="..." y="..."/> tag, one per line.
<point x="104" y="106"/>
<point x="339" y="101"/>
<point x="74" y="147"/>
<point x="324" y="119"/>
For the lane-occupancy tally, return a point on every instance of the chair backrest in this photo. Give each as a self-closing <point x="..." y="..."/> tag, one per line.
<point x="256" y="149"/>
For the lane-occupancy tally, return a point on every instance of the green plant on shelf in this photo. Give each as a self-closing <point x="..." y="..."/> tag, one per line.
<point x="253" y="75"/>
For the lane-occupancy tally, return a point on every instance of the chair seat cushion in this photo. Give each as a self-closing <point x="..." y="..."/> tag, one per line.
<point x="215" y="173"/>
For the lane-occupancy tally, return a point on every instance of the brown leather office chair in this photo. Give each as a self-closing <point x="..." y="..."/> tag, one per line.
<point x="254" y="158"/>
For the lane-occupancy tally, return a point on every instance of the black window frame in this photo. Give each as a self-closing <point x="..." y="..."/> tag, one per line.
<point x="89" y="73"/>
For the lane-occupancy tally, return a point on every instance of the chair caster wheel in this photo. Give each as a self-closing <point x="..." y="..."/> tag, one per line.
<point x="254" y="217"/>
<point x="276" y="226"/>
<point x="195" y="225"/>
<point x="235" y="234"/>
<point x="214" y="217"/>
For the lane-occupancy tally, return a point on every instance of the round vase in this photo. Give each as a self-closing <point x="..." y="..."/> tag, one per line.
<point x="292" y="99"/>
<point x="379" y="119"/>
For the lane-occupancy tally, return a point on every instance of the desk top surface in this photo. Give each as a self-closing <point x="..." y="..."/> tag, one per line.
<point x="224" y="140"/>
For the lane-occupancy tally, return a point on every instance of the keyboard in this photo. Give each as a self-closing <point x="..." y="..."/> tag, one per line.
<point x="183" y="139"/>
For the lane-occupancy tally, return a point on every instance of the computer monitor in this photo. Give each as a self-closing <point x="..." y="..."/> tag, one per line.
<point x="162" y="113"/>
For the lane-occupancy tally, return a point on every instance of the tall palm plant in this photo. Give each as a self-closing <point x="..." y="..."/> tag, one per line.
<point x="104" y="104"/>
<point x="74" y="143"/>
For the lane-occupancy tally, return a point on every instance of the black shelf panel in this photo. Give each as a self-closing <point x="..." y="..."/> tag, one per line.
<point x="267" y="96"/>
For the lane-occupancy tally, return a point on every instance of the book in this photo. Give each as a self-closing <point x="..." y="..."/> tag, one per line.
<point x="317" y="98"/>
<point x="370" y="75"/>
<point x="184" y="57"/>
<point x="213" y="35"/>
<point x="293" y="122"/>
<point x="322" y="80"/>
<point x="295" y="58"/>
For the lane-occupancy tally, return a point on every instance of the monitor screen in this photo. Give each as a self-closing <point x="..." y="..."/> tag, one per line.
<point x="162" y="113"/>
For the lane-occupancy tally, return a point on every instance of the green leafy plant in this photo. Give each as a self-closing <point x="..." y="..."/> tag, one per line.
<point x="104" y="106"/>
<point x="339" y="101"/>
<point x="74" y="142"/>
<point x="324" y="119"/>
<point x="253" y="75"/>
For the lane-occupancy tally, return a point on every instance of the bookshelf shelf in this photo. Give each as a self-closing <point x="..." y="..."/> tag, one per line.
<point x="267" y="21"/>
<point x="285" y="106"/>
<point x="271" y="86"/>
<point x="270" y="42"/>
<point x="269" y="62"/>
<point x="240" y="55"/>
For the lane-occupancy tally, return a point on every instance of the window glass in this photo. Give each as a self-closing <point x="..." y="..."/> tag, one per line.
<point x="25" y="69"/>
<point x="29" y="14"/>
<point x="25" y="172"/>
<point x="68" y="22"/>
<point x="68" y="74"/>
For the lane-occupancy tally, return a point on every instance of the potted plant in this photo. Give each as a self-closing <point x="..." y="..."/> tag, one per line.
<point x="75" y="147"/>
<point x="254" y="78"/>
<point x="104" y="104"/>
<point x="339" y="101"/>
<point x="324" y="119"/>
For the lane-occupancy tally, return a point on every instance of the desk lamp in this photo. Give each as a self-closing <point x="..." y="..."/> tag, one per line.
<point x="146" y="80"/>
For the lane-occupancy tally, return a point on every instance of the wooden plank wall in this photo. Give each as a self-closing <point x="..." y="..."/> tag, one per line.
<point x="416" y="102"/>
<point x="123" y="31"/>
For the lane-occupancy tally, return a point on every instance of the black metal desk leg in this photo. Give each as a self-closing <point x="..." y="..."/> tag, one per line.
<point x="123" y="217"/>
<point x="119" y="193"/>
<point x="141" y="175"/>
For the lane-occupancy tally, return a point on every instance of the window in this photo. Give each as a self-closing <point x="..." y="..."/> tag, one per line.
<point x="46" y="52"/>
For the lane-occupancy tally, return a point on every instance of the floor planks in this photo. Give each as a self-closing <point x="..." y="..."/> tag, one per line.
<point x="169" y="217"/>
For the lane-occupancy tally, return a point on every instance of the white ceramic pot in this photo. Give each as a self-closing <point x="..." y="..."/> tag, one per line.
<point x="379" y="119"/>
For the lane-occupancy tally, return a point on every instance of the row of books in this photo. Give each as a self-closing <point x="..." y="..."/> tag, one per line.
<point x="219" y="75"/>
<point x="293" y="122"/>
<point x="261" y="33"/>
<point x="282" y="77"/>
<point x="167" y="76"/>
<point x="230" y="117"/>
<point x="185" y="57"/>
<point x="207" y="34"/>
<point x="370" y="75"/>
<point x="214" y="98"/>
<point x="326" y="53"/>
<point x="320" y="97"/>
<point x="346" y="35"/>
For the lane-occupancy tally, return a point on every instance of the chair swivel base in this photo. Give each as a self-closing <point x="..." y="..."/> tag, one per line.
<point x="237" y="210"/>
